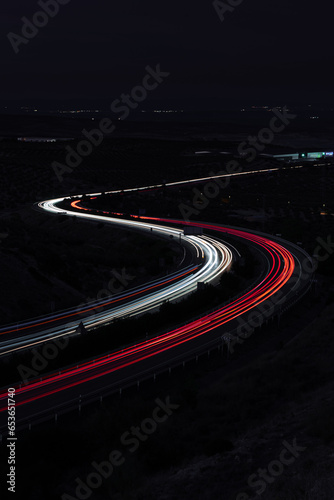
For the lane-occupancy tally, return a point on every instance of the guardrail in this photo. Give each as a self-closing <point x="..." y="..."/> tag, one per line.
<point x="117" y="387"/>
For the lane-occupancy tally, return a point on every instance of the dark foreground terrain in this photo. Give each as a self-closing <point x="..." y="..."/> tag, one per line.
<point x="231" y="417"/>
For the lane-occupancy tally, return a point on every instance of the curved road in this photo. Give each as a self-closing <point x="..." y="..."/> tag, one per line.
<point x="284" y="274"/>
<point x="213" y="256"/>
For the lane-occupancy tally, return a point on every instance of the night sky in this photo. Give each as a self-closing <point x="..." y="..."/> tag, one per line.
<point x="277" y="50"/>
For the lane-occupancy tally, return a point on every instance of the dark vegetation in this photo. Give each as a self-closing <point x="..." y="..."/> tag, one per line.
<point x="52" y="263"/>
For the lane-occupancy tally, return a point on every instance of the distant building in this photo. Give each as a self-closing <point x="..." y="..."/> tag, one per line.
<point x="302" y="156"/>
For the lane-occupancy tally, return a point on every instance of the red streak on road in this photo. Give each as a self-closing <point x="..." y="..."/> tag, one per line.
<point x="282" y="267"/>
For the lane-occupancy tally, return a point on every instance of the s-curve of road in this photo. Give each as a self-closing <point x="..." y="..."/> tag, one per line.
<point x="282" y="265"/>
<point x="213" y="259"/>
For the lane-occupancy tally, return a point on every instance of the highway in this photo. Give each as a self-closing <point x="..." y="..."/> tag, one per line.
<point x="282" y="272"/>
<point x="214" y="258"/>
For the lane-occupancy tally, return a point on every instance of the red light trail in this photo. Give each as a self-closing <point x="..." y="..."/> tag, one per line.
<point x="281" y="269"/>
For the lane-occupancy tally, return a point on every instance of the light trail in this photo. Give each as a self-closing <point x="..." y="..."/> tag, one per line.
<point x="196" y="180"/>
<point x="281" y="266"/>
<point x="281" y="269"/>
<point x="216" y="258"/>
